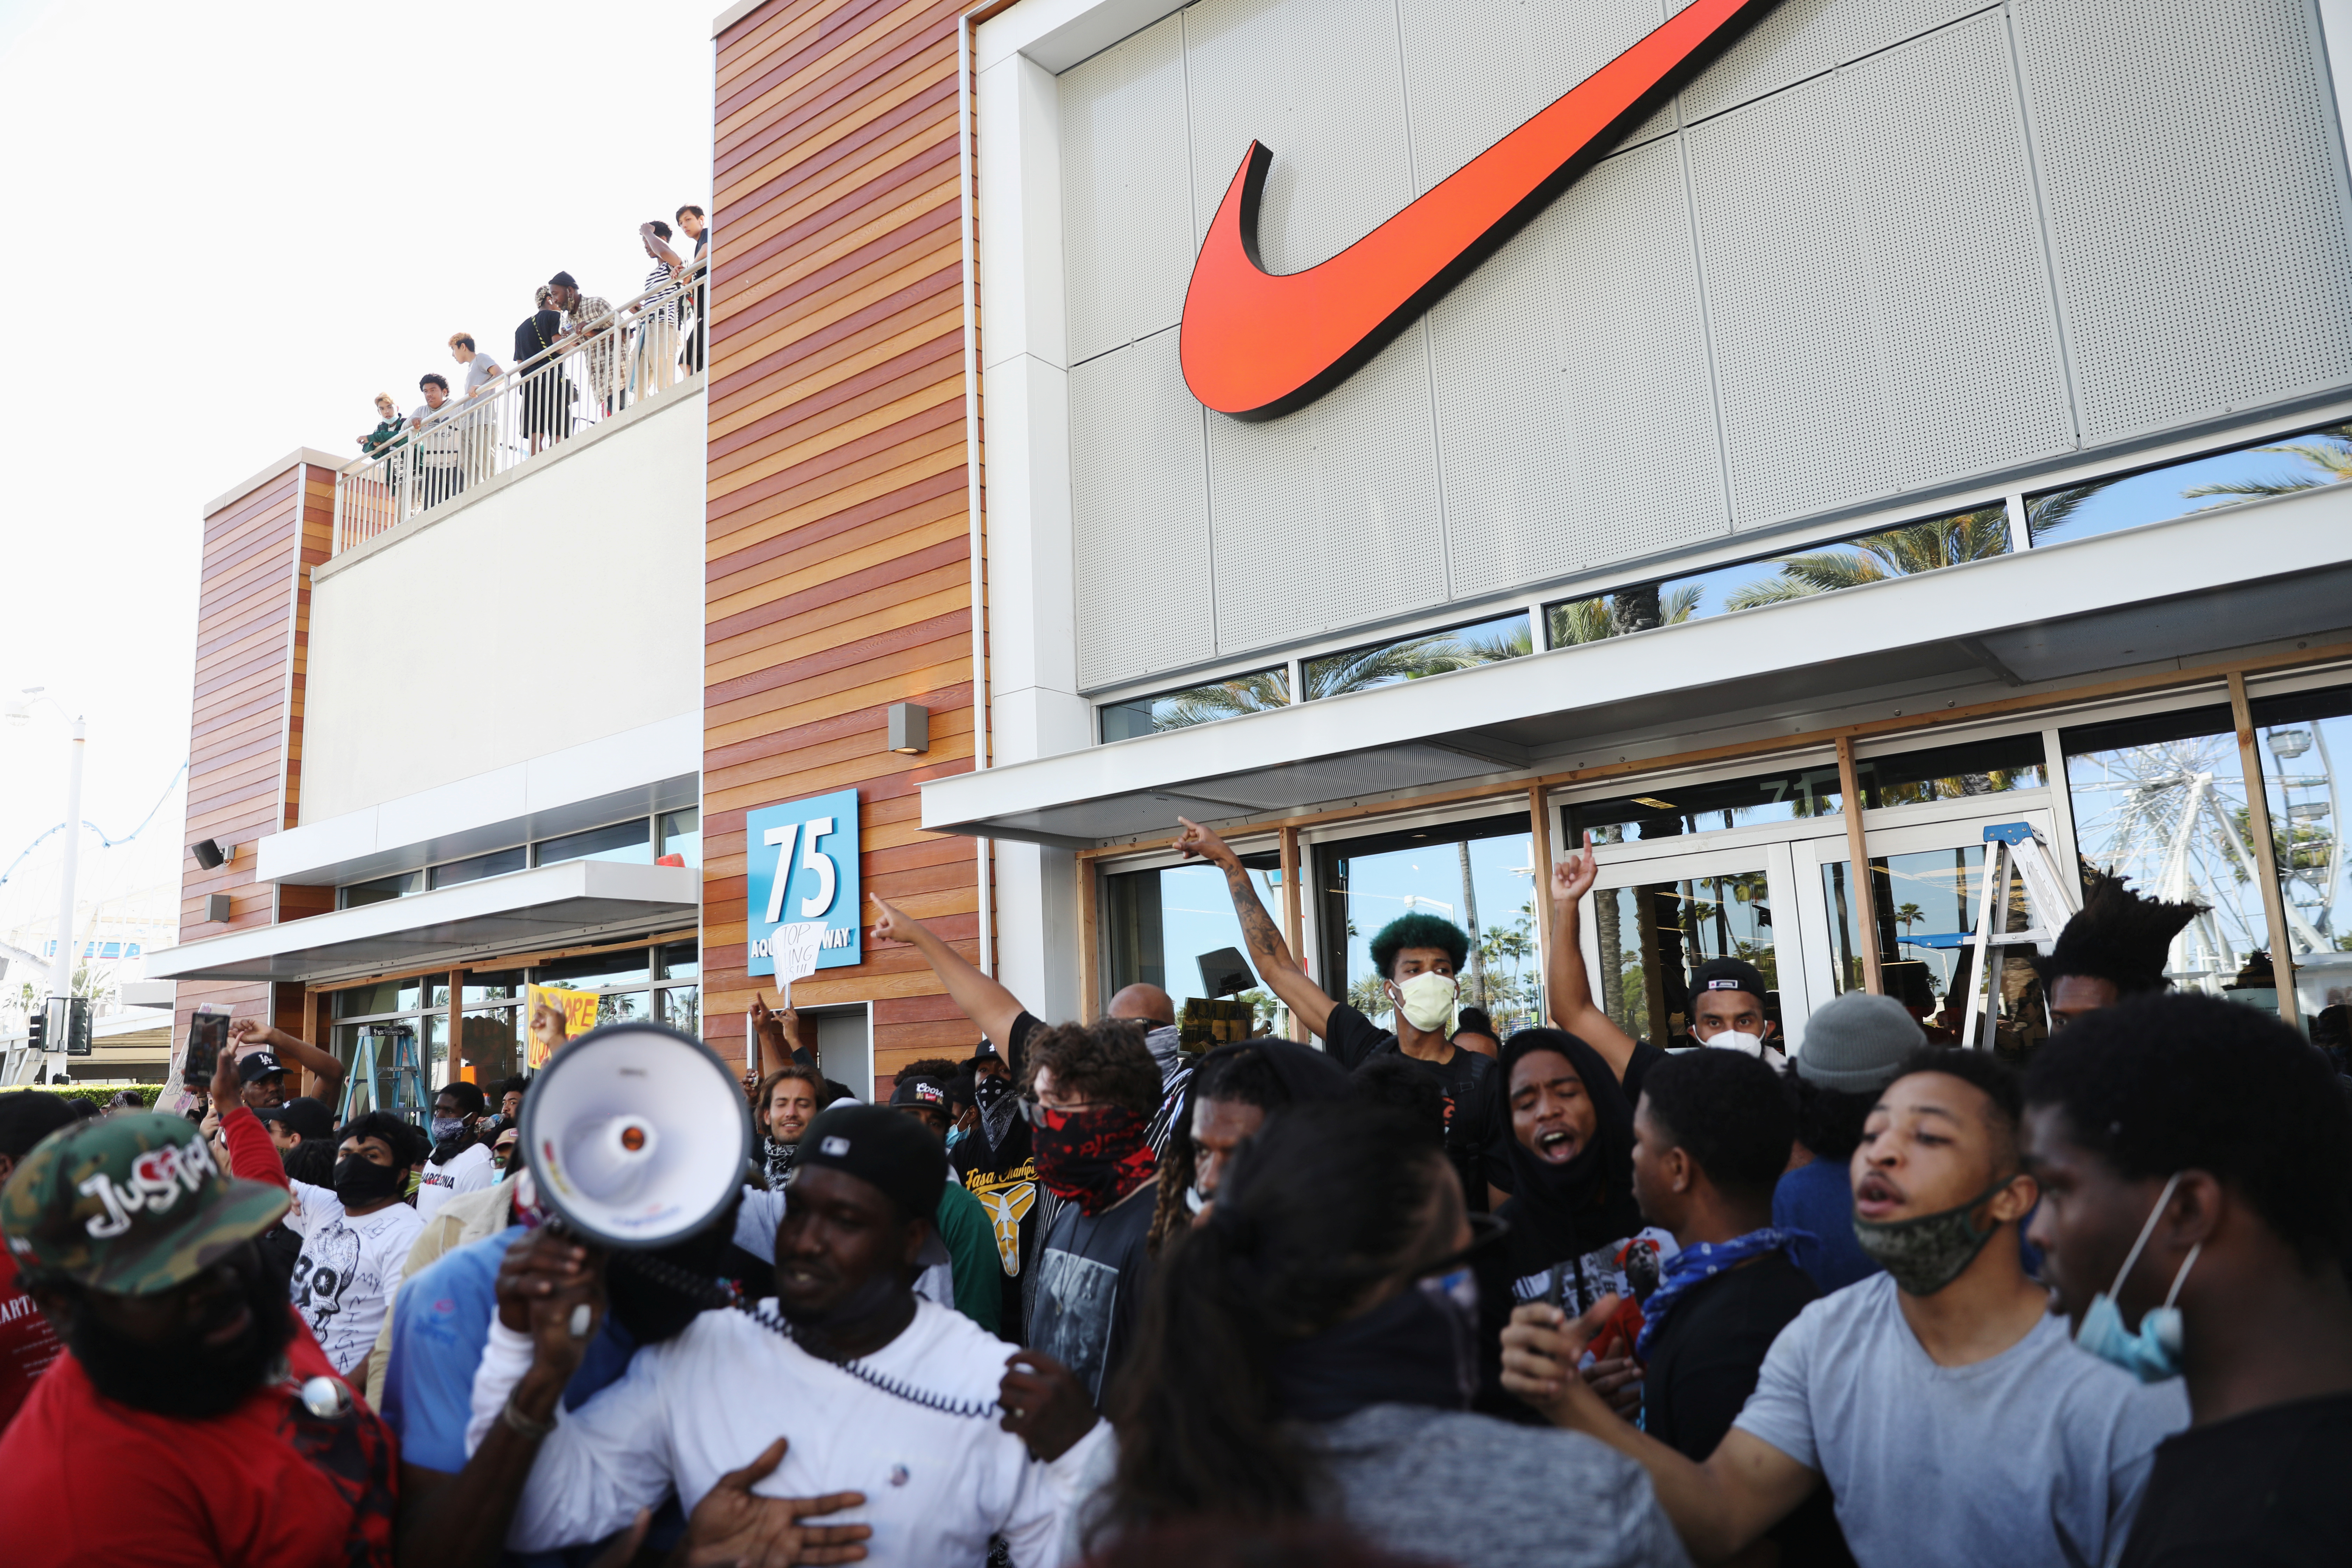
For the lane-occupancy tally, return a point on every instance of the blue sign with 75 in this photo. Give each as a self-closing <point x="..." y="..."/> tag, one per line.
<point x="802" y="868"/>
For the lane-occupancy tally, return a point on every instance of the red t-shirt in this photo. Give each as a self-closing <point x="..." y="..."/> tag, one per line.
<point x="86" y="1481"/>
<point x="28" y="1344"/>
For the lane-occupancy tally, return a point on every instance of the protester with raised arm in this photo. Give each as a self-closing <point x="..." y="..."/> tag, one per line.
<point x="1943" y="1405"/>
<point x="265" y="1081"/>
<point x="1418" y="956"/>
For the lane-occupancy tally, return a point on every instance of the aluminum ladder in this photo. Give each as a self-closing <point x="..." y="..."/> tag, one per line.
<point x="2049" y="903"/>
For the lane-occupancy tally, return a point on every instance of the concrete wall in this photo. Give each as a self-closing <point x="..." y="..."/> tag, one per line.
<point x="561" y="603"/>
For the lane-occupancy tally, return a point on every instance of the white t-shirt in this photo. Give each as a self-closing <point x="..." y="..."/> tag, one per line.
<point x="467" y="1172"/>
<point x="691" y="1409"/>
<point x="350" y="1267"/>
<point x="2035" y="1456"/>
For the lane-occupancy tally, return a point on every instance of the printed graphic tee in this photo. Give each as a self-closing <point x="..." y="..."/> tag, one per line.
<point x="1090" y="1278"/>
<point x="26" y="1343"/>
<point x="469" y="1172"/>
<point x="1003" y="1176"/>
<point x="350" y="1267"/>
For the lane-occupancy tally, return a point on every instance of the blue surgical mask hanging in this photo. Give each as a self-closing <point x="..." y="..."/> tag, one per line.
<point x="2152" y="1355"/>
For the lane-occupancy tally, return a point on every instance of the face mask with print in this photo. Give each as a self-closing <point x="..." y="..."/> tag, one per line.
<point x="447" y="1128"/>
<point x="2152" y="1355"/>
<point x="1927" y="1252"/>
<point x="1427" y="1000"/>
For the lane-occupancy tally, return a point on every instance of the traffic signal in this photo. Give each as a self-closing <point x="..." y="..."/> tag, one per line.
<point x="37" y="1036"/>
<point x="77" y="1029"/>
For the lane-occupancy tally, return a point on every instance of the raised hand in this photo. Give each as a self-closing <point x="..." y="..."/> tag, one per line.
<point x="1571" y="878"/>
<point x="890" y="925"/>
<point x="1541" y="1345"/>
<point x="1198" y="840"/>
<point x="731" y="1525"/>
<point x="778" y="1026"/>
<point x="1043" y="1405"/>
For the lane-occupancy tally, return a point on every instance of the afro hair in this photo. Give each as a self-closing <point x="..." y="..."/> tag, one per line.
<point x="2119" y="937"/>
<point x="1418" y="931"/>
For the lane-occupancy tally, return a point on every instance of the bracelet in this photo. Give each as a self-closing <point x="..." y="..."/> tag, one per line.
<point x="513" y="1417"/>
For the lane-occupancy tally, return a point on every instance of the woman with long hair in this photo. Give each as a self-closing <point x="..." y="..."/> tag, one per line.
<point x="1309" y="1351"/>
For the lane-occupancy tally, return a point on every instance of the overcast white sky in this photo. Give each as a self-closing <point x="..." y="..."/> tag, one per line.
<point x="229" y="226"/>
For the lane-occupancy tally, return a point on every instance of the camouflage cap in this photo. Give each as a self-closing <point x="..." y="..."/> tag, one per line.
<point x="131" y="1204"/>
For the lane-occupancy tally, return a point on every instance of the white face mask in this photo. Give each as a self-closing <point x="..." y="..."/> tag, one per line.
<point x="1427" y="1000"/>
<point x="1734" y="1040"/>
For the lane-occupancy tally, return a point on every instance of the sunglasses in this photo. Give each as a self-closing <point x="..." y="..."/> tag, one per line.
<point x="1038" y="1113"/>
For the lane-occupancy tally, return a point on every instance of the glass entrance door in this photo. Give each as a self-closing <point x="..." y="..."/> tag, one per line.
<point x="1651" y="919"/>
<point x="1925" y="883"/>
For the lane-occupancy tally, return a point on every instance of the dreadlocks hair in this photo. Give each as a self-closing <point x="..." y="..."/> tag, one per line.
<point x="1418" y="931"/>
<point x="1242" y="1079"/>
<point x="2119" y="937"/>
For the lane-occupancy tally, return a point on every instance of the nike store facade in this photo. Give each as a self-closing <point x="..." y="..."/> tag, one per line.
<point x="1763" y="438"/>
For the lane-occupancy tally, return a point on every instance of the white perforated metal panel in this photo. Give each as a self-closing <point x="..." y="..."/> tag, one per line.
<point x="1800" y="38"/>
<point x="1475" y="73"/>
<point x="1319" y="83"/>
<point x="1127" y="223"/>
<point x="1329" y="517"/>
<point x="1959" y="282"/>
<point x="2198" y="224"/>
<point x="1139" y="503"/>
<point x="1787" y="294"/>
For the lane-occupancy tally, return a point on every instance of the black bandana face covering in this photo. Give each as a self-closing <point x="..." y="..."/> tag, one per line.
<point x="1928" y="1251"/>
<point x="997" y="1104"/>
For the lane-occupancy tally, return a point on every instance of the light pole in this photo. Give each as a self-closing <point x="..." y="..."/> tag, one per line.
<point x="61" y="972"/>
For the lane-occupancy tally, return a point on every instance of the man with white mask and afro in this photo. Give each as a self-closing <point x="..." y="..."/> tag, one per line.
<point x="1418" y="957"/>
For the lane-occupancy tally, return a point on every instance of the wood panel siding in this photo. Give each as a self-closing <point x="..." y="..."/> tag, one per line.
<point x="245" y="728"/>
<point x="838" y="553"/>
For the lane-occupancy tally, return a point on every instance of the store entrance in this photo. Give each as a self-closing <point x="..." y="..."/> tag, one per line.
<point x="1649" y="921"/>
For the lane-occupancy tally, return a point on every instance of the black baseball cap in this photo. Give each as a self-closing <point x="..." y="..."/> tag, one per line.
<point x="259" y="1064"/>
<point x="1728" y="974"/>
<point x="563" y="280"/>
<point x="302" y="1116"/>
<point x="27" y="1116"/>
<point x="985" y="1051"/>
<point x="894" y="1152"/>
<point x="919" y="1094"/>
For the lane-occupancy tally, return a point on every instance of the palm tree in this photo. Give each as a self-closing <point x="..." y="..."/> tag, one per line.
<point x="1589" y="620"/>
<point x="2329" y="451"/>
<point x="1898" y="553"/>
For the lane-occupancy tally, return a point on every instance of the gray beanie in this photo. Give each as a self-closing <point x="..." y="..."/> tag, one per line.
<point x="1857" y="1043"/>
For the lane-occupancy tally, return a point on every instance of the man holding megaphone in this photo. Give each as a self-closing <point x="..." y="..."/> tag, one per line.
<point x="750" y="1415"/>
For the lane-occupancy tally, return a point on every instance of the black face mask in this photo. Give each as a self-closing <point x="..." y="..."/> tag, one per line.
<point x="184" y="1378"/>
<point x="360" y="1181"/>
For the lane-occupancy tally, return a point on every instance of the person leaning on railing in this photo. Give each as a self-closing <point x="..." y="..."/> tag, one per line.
<point x="588" y="315"/>
<point x="439" y="474"/>
<point x="546" y="393"/>
<point x="387" y="432"/>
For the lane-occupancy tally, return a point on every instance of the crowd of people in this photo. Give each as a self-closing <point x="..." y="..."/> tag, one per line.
<point x="449" y="439"/>
<point x="1405" y="1295"/>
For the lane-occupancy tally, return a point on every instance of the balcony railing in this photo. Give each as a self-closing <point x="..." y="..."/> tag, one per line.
<point x="639" y="352"/>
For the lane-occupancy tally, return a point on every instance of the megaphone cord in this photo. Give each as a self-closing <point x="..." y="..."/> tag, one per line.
<point x="714" y="1295"/>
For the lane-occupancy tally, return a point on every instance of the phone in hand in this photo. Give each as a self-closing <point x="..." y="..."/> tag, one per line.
<point x="208" y="1036"/>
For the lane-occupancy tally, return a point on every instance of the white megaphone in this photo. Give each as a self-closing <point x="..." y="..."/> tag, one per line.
<point x="637" y="1135"/>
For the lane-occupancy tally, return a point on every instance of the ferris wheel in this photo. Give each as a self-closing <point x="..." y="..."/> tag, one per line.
<point x="2172" y="816"/>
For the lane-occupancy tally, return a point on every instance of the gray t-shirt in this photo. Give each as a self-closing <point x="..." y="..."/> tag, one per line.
<point x="2037" y="1456"/>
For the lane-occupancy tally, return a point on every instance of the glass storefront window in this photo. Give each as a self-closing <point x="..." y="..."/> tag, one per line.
<point x="1952" y="772"/>
<point x="595" y="970"/>
<point x="1678" y="809"/>
<point x="2299" y="736"/>
<point x="681" y="1008"/>
<point x="1161" y="923"/>
<point x="1423" y="653"/>
<point x="1251" y="693"/>
<point x="2162" y="801"/>
<point x="623" y="841"/>
<point x="1925" y="906"/>
<point x="497" y="863"/>
<point x="623" y="1007"/>
<point x="1480" y="875"/>
<point x="492" y="1044"/>
<point x="679" y="833"/>
<point x="382" y="996"/>
<point x="679" y="960"/>
<point x="1651" y="936"/>
<point x="491" y="986"/>
<point x="1915" y="547"/>
<point x="2303" y="462"/>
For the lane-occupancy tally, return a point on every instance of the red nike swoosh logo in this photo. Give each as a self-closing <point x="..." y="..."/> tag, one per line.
<point x="1255" y="345"/>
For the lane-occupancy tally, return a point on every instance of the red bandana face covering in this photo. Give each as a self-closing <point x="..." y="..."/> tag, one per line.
<point x="1093" y="1157"/>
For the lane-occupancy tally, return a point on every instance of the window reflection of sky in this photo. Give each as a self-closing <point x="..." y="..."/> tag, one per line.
<point x="2156" y="495"/>
<point x="1428" y="880"/>
<point x="1196" y="916"/>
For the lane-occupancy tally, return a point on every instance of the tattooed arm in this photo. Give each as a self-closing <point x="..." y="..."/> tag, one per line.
<point x="1266" y="949"/>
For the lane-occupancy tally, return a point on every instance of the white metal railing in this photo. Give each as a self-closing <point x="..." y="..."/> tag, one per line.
<point x="639" y="350"/>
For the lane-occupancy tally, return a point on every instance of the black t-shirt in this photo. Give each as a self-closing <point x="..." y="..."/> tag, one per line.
<point x="1090" y="1279"/>
<point x="1637" y="1068"/>
<point x="1353" y="1039"/>
<point x="2265" y="1490"/>
<point x="1703" y="1366"/>
<point x="1004" y="1180"/>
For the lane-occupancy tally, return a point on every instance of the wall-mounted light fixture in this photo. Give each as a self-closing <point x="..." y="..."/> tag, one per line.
<point x="211" y="854"/>
<point x="911" y="728"/>
<point x="217" y="908"/>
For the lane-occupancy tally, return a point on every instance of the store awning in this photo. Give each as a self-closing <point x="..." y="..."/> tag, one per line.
<point x="2235" y="578"/>
<point x="545" y="907"/>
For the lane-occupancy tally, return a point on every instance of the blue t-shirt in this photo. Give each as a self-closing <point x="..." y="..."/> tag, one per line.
<point x="1818" y="1197"/>
<point x="440" y="1327"/>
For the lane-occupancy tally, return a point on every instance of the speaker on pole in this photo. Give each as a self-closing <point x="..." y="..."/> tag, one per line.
<point x="637" y="1135"/>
